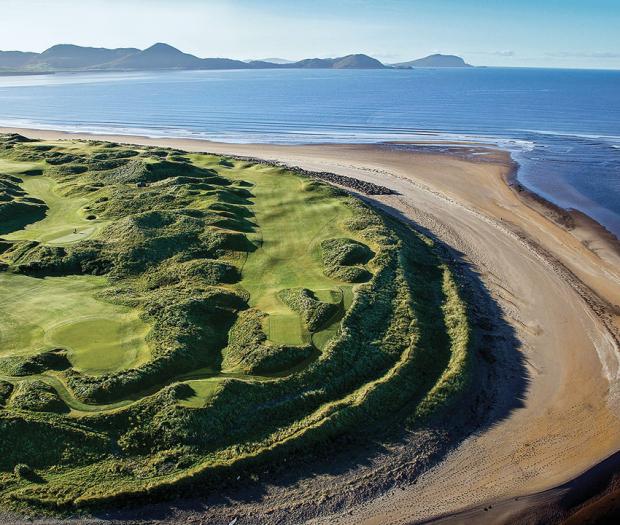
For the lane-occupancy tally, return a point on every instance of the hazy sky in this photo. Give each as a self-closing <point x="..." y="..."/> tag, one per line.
<point x="554" y="33"/>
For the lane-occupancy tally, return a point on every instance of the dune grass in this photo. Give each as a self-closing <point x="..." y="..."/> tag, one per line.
<point x="172" y="318"/>
<point x="292" y="217"/>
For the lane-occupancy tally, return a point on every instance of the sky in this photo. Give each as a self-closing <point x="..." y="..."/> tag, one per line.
<point x="537" y="33"/>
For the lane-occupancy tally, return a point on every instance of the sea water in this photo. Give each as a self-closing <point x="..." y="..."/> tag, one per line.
<point x="562" y="126"/>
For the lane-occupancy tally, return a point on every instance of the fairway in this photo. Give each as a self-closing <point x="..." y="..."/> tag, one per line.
<point x="165" y="316"/>
<point x="65" y="221"/>
<point x="293" y="217"/>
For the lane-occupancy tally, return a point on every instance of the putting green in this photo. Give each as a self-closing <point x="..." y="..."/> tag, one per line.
<point x="40" y="314"/>
<point x="286" y="329"/>
<point x="99" y="345"/>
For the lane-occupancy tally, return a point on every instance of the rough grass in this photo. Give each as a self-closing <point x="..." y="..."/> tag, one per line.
<point x="173" y="317"/>
<point x="6" y="389"/>
<point x="346" y="259"/>
<point x="37" y="396"/>
<point x="315" y="314"/>
<point x="17" y="208"/>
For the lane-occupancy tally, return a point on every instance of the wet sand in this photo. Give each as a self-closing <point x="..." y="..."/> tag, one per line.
<point x="558" y="284"/>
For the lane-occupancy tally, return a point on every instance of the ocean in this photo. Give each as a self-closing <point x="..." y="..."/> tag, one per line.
<point x="562" y="126"/>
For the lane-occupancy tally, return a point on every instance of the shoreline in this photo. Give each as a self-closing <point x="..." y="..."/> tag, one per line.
<point x="520" y="249"/>
<point x="570" y="219"/>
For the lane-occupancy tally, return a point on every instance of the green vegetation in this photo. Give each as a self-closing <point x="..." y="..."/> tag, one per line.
<point x="37" y="396"/>
<point x="6" y="389"/>
<point x="169" y="317"/>
<point x="314" y="313"/>
<point x="345" y="259"/>
<point x="16" y="207"/>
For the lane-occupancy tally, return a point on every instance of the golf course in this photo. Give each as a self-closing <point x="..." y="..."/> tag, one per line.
<point x="171" y="318"/>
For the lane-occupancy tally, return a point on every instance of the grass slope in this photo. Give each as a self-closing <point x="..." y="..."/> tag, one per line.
<point x="171" y="317"/>
<point x="65" y="221"/>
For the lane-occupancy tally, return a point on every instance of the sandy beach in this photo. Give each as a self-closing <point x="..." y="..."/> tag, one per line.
<point x="557" y="280"/>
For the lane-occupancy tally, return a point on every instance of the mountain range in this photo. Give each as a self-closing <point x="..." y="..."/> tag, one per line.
<point x="68" y="57"/>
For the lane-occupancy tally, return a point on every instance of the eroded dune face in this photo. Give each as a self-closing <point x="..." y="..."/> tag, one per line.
<point x="170" y="317"/>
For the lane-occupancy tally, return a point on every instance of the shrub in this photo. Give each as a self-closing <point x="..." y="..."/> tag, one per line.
<point x="23" y="471"/>
<point x="6" y="389"/>
<point x="37" y="396"/>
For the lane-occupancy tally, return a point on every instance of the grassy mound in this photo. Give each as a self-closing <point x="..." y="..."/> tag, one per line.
<point x="17" y="208"/>
<point x="34" y="364"/>
<point x="37" y="396"/>
<point x="173" y="317"/>
<point x="345" y="259"/>
<point x="314" y="313"/>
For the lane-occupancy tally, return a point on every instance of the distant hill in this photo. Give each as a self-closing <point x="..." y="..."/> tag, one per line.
<point x="160" y="56"/>
<point x="435" y="61"/>
<point x="273" y="60"/>
<point x="225" y="63"/>
<point x="70" y="57"/>
<point x="312" y="63"/>
<point x="357" y="62"/>
<point x="346" y="62"/>
<point x="15" y="59"/>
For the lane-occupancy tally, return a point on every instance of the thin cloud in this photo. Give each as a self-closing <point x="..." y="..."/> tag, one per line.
<point x="501" y="53"/>
<point x="572" y="54"/>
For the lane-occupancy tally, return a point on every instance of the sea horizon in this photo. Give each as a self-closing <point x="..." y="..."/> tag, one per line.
<point x="370" y="275"/>
<point x="573" y="161"/>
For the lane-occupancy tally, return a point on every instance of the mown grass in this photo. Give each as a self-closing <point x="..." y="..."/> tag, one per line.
<point x="295" y="216"/>
<point x="177" y="317"/>
<point x="41" y="314"/>
<point x="65" y="220"/>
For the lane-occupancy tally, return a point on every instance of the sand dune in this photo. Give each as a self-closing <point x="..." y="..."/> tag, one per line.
<point x="558" y="289"/>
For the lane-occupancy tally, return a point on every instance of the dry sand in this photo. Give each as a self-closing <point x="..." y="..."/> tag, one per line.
<point x="559" y="289"/>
